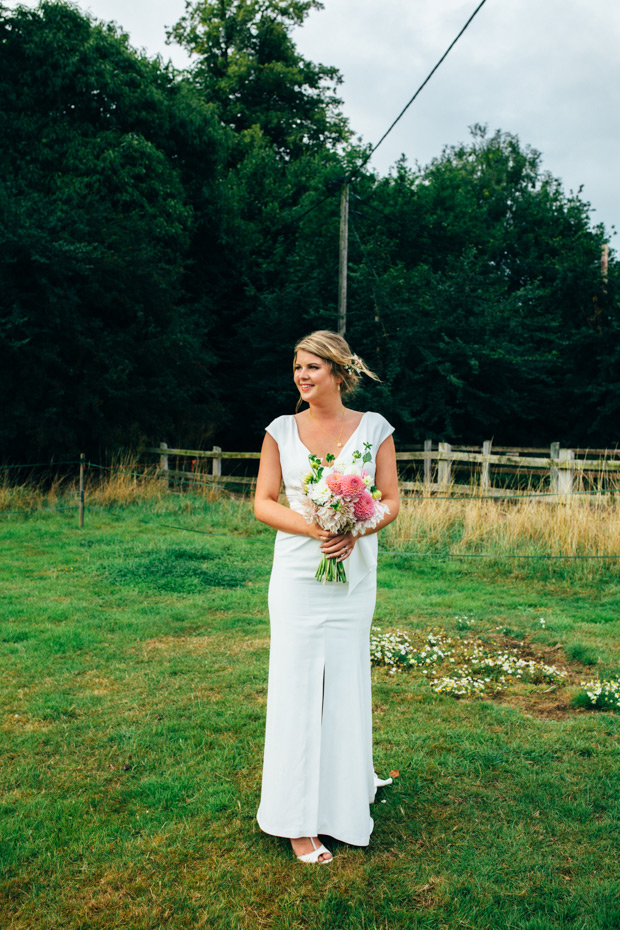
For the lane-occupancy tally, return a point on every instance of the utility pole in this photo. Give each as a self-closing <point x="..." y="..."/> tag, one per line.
<point x="605" y="262"/>
<point x="342" y="273"/>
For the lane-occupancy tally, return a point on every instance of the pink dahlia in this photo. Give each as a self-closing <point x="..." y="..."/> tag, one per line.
<point x="334" y="483"/>
<point x="352" y="486"/>
<point x="364" y="506"/>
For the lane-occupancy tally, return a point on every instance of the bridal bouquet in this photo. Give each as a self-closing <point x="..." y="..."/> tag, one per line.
<point x="341" y="498"/>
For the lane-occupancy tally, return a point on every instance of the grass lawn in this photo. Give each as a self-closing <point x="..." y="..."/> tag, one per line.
<point x="133" y="660"/>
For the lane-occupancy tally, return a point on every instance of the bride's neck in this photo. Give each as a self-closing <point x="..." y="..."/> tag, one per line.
<point x="327" y="411"/>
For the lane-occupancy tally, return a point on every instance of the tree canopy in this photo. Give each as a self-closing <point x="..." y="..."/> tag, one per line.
<point x="166" y="237"/>
<point x="248" y="65"/>
<point x="100" y="209"/>
<point x="486" y="279"/>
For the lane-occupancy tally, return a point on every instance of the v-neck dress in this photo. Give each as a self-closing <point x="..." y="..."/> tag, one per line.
<point x="318" y="775"/>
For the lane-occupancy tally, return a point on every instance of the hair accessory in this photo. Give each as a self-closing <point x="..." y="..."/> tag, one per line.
<point x="355" y="366"/>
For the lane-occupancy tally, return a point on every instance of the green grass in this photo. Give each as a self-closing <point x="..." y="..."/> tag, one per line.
<point x="133" y="661"/>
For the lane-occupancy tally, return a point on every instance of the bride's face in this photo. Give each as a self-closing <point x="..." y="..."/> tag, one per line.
<point x="313" y="377"/>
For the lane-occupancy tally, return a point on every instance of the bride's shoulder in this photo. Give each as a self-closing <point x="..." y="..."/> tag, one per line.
<point x="280" y="426"/>
<point x="377" y="425"/>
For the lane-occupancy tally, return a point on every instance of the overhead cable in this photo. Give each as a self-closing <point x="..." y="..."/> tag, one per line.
<point x="349" y="177"/>
<point x="419" y="90"/>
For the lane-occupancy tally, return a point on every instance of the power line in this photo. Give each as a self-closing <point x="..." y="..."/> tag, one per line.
<point x="371" y="206"/>
<point x="420" y="89"/>
<point x="348" y="178"/>
<point x="312" y="207"/>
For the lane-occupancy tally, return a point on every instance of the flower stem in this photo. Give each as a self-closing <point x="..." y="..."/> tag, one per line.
<point x="330" y="570"/>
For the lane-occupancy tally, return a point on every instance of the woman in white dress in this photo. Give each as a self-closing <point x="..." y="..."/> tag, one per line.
<point x="318" y="775"/>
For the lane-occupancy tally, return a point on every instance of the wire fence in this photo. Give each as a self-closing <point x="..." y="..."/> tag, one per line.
<point x="151" y="472"/>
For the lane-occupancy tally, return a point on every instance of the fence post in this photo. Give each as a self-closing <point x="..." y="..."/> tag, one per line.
<point x="163" y="462"/>
<point x="566" y="476"/>
<point x="216" y="468"/>
<point x="428" y="463"/>
<point x="444" y="468"/>
<point x="485" y="476"/>
<point x="554" y="472"/>
<point x="82" y="464"/>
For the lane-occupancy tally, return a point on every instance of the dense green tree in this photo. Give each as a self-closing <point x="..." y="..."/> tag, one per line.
<point x="109" y="187"/>
<point x="165" y="238"/>
<point x="248" y="65"/>
<point x="480" y="283"/>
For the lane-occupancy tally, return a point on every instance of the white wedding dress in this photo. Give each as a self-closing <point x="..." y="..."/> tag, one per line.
<point x="318" y="773"/>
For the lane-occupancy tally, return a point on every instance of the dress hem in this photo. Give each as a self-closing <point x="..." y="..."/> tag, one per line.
<point x="320" y="832"/>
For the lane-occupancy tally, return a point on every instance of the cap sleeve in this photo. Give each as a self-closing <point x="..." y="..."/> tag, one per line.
<point x="276" y="429"/>
<point x="381" y="429"/>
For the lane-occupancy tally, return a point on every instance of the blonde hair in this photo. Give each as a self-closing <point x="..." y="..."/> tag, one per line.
<point x="336" y="350"/>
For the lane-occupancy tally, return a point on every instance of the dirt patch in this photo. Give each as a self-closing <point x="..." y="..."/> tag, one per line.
<point x="552" y="701"/>
<point x="551" y="707"/>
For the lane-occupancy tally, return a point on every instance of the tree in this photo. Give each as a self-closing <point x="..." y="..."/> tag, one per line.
<point x="165" y="238"/>
<point x="483" y="276"/>
<point x="109" y="171"/>
<point x="249" y="67"/>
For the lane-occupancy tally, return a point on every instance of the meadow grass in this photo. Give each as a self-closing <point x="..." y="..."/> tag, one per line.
<point x="134" y="656"/>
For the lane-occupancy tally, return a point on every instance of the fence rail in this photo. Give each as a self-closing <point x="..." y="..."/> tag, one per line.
<point x="561" y="471"/>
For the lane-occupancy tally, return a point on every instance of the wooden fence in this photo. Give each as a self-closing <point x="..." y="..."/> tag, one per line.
<point x="437" y="469"/>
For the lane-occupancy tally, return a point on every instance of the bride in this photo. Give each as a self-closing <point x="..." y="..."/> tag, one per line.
<point x="318" y="775"/>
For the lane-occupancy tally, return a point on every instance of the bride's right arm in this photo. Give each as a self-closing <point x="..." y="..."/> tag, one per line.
<point x="266" y="506"/>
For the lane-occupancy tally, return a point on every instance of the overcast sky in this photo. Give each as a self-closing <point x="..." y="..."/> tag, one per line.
<point x="547" y="70"/>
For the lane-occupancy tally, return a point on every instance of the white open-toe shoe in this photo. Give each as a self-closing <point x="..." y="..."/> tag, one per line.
<point x="314" y="855"/>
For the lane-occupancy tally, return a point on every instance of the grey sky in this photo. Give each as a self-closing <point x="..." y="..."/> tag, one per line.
<point x="543" y="69"/>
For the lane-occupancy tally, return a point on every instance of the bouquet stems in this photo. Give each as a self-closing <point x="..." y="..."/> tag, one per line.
<point x="330" y="570"/>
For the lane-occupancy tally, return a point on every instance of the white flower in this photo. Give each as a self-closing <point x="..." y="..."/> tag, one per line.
<point x="320" y="493"/>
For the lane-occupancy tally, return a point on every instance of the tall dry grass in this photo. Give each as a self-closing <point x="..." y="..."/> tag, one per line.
<point x="123" y="482"/>
<point x="574" y="527"/>
<point x="33" y="493"/>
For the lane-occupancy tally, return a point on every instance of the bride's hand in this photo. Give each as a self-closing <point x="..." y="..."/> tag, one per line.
<point x="322" y="535"/>
<point x="339" y="547"/>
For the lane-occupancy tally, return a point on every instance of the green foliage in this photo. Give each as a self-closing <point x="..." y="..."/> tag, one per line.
<point x="249" y="67"/>
<point x="484" y="279"/>
<point x="99" y="211"/>
<point x="166" y="237"/>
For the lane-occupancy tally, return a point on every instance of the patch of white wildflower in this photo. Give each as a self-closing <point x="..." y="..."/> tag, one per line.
<point x="603" y="693"/>
<point x="396" y="650"/>
<point x="459" y="667"/>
